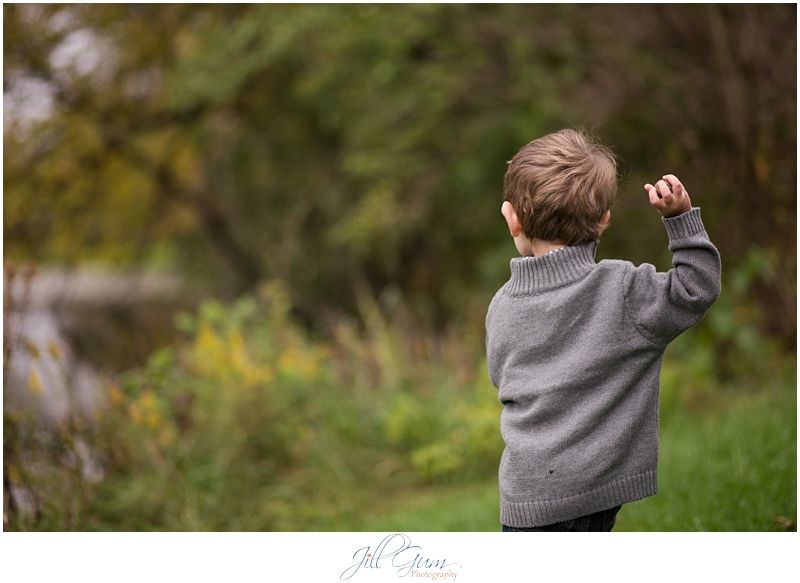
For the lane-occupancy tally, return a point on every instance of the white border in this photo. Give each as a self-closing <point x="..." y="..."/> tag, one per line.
<point x="318" y="557"/>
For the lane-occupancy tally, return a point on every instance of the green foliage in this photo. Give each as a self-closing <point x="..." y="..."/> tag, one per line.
<point x="730" y="466"/>
<point x="249" y="414"/>
<point x="728" y="347"/>
<point x="450" y="434"/>
<point x="250" y="422"/>
<point x="329" y="146"/>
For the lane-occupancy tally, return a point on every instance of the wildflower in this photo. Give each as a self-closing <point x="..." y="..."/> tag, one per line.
<point x="145" y="410"/>
<point x="115" y="394"/>
<point x="135" y="413"/>
<point x="302" y="364"/>
<point x="148" y="399"/>
<point x="209" y="352"/>
<point x="251" y="373"/>
<point x="152" y="419"/>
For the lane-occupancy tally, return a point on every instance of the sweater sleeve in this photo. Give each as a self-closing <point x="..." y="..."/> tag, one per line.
<point x="662" y="305"/>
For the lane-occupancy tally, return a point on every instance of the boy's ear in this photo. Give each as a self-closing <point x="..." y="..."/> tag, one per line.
<point x="604" y="221"/>
<point x="514" y="224"/>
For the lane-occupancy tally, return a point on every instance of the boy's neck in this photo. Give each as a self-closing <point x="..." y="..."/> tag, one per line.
<point x="539" y="247"/>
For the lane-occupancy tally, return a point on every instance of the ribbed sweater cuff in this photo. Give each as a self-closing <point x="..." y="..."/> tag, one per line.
<point x="684" y="225"/>
<point x="541" y="512"/>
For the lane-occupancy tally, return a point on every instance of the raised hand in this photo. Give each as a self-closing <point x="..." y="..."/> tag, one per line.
<point x="668" y="196"/>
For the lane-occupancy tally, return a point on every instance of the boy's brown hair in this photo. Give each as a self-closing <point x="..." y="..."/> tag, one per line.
<point x="560" y="186"/>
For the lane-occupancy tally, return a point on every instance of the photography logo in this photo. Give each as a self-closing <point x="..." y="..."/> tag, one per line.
<point x="396" y="553"/>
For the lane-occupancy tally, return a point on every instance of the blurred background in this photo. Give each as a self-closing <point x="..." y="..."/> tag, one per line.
<point x="249" y="251"/>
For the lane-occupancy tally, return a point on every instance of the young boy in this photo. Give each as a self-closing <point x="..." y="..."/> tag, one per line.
<point x="575" y="346"/>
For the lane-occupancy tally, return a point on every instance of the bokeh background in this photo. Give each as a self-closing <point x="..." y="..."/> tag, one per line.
<point x="249" y="251"/>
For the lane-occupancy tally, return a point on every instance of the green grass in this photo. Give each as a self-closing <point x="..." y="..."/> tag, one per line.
<point x="727" y="464"/>
<point x="472" y="507"/>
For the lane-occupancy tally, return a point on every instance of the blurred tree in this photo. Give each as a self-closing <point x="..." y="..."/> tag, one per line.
<point x="707" y="93"/>
<point x="109" y="174"/>
<point x="342" y="146"/>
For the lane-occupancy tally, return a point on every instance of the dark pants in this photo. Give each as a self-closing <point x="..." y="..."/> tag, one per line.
<point x="597" y="522"/>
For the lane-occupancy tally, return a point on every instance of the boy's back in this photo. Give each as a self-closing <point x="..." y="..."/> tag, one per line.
<point x="575" y="349"/>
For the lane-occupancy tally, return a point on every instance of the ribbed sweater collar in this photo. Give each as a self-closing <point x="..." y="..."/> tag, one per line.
<point x="531" y="275"/>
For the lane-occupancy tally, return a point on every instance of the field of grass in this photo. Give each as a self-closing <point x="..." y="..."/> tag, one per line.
<point x="724" y="466"/>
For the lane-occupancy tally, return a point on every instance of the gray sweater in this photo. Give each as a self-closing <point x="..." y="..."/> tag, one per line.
<point x="575" y="349"/>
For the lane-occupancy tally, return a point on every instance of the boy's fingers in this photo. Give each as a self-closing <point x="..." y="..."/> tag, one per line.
<point x="651" y="192"/>
<point x="677" y="186"/>
<point x="664" y="190"/>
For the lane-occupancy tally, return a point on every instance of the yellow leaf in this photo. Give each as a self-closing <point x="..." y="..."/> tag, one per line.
<point x="54" y="349"/>
<point x="13" y="474"/>
<point x="31" y="347"/>
<point x="35" y="382"/>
